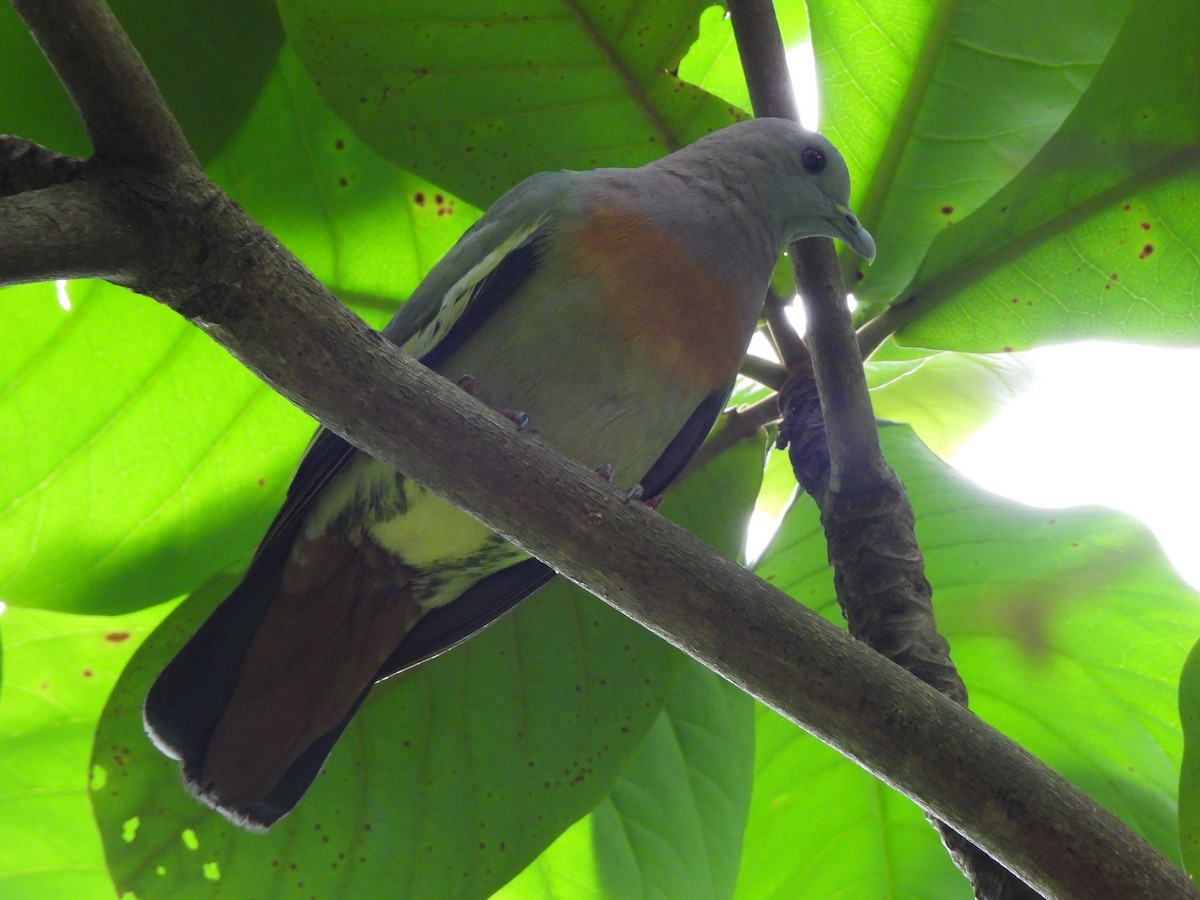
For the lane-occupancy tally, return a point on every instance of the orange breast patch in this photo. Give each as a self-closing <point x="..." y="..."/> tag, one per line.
<point x="687" y="321"/>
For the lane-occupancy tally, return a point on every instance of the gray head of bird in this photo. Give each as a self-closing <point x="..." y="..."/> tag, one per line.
<point x="796" y="177"/>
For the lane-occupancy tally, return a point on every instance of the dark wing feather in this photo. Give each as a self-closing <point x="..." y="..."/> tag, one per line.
<point x="186" y="700"/>
<point x="685" y="444"/>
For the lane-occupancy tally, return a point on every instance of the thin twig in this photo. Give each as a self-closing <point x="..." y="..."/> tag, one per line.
<point x="787" y="342"/>
<point x="764" y="371"/>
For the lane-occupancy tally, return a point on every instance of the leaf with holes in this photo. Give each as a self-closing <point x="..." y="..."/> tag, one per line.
<point x="58" y="671"/>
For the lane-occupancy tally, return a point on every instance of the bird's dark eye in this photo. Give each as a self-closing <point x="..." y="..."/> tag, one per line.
<point x="813" y="160"/>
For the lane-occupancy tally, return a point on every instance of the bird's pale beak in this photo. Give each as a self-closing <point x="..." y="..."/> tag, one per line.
<point x="856" y="237"/>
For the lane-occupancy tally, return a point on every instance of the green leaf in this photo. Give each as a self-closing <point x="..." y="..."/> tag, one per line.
<point x="164" y="460"/>
<point x="672" y="825"/>
<point x="822" y="827"/>
<point x="486" y="93"/>
<point x="1097" y="236"/>
<point x="210" y="60"/>
<point x="946" y="397"/>
<point x="713" y="62"/>
<point x="1189" y="770"/>
<point x="937" y="105"/>
<point x="449" y="780"/>
<point x="59" y="670"/>
<point x="367" y="230"/>
<point x="1070" y="630"/>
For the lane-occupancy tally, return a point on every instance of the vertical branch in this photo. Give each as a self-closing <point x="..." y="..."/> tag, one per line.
<point x="827" y="418"/>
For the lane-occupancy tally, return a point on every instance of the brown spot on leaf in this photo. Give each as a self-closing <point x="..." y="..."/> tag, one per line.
<point x="947" y="210"/>
<point x="1145" y="226"/>
<point x="419" y="198"/>
<point x="1146" y="251"/>
<point x="117" y="637"/>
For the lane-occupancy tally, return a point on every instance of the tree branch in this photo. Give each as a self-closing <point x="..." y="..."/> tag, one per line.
<point x="766" y="372"/>
<point x="230" y="277"/>
<point x="787" y="342"/>
<point x="68" y="231"/>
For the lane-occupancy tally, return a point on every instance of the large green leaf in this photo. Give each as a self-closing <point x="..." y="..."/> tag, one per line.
<point x="1098" y="235"/>
<point x="368" y="230"/>
<point x="714" y="63"/>
<point x="672" y="825"/>
<point x="1070" y="630"/>
<point x="822" y="827"/>
<point x="937" y="105"/>
<point x="58" y="672"/>
<point x="209" y="59"/>
<point x="451" y="779"/>
<point x="477" y="94"/>
<point x="149" y="458"/>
